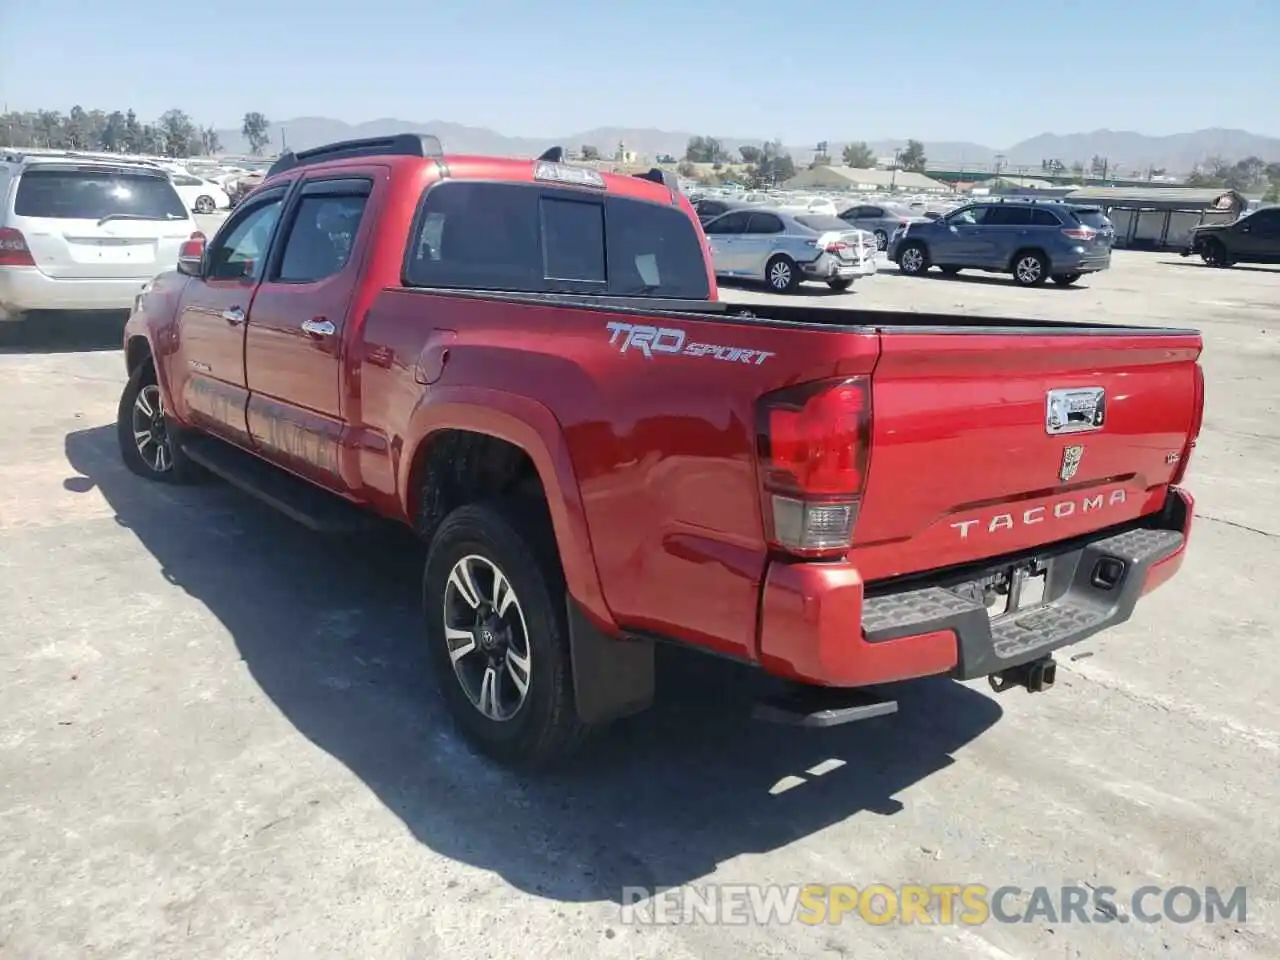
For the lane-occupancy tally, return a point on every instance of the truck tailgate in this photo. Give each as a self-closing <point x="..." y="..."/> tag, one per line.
<point x="965" y="464"/>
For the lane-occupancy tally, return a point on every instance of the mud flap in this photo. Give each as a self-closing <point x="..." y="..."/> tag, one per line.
<point x="612" y="677"/>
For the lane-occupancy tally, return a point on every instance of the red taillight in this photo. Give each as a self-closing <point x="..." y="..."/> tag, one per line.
<point x="836" y="246"/>
<point x="1197" y="420"/>
<point x="192" y="248"/>
<point x="813" y="443"/>
<point x="14" y="251"/>
<point x="1080" y="233"/>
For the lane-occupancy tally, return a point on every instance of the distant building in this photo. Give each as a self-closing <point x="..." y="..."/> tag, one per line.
<point x="830" y="177"/>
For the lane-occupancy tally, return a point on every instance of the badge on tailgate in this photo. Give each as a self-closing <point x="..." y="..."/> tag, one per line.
<point x="1075" y="410"/>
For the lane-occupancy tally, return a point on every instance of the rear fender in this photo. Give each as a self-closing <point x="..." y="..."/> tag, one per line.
<point x="533" y="428"/>
<point x="613" y="675"/>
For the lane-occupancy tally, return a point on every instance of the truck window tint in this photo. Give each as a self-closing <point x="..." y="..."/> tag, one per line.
<point x="520" y="238"/>
<point x="573" y="240"/>
<point x="321" y="237"/>
<point x="242" y="253"/>
<point x="653" y="250"/>
<point x="486" y="238"/>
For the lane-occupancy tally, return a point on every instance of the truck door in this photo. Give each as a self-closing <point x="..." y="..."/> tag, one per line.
<point x="207" y="374"/>
<point x="295" y="343"/>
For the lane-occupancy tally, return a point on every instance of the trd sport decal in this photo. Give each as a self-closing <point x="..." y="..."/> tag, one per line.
<point x="671" y="340"/>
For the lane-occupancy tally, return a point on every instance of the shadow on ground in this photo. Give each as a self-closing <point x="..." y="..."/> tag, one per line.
<point x="330" y="632"/>
<point x="980" y="278"/>
<point x="1198" y="265"/>
<point x="807" y="289"/>
<point x="64" y="332"/>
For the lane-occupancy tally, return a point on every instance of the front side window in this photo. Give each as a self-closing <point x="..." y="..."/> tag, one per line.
<point x="242" y="253"/>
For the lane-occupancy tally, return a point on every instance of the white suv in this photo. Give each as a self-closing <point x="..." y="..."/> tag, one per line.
<point x="84" y="233"/>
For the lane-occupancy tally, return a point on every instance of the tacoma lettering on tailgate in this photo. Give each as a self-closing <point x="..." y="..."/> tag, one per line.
<point x="1058" y="511"/>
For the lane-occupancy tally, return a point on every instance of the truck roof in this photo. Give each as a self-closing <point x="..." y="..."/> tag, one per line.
<point x="421" y="150"/>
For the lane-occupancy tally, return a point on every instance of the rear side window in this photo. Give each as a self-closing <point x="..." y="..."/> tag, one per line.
<point x="528" y="239"/>
<point x="321" y="237"/>
<point x="1011" y="215"/>
<point x="1044" y="218"/>
<point x="93" y="193"/>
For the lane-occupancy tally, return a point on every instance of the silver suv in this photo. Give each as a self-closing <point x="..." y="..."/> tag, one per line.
<point x="84" y="232"/>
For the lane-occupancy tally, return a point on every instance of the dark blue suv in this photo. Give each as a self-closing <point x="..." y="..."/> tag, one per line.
<point x="1033" y="240"/>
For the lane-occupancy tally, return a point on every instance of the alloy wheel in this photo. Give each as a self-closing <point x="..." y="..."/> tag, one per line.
<point x="780" y="275"/>
<point x="150" y="434"/>
<point x="1028" y="270"/>
<point x="488" y="638"/>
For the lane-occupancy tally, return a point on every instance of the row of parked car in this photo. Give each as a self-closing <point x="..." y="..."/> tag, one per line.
<point x="1030" y="239"/>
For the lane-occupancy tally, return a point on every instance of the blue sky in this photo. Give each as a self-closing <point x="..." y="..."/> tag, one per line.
<point x="990" y="72"/>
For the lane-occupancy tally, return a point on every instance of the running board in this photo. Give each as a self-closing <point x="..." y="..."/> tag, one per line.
<point x="310" y="506"/>
<point x="817" y="707"/>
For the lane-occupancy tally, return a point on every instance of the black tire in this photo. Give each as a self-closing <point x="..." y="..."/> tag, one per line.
<point x="132" y="418"/>
<point x="782" y="275"/>
<point x="913" y="259"/>
<point x="840" y="285"/>
<point x="516" y="539"/>
<point x="205" y="204"/>
<point x="882" y="240"/>
<point x="1030" y="268"/>
<point x="1066" y="279"/>
<point x="950" y="271"/>
<point x="1214" y="253"/>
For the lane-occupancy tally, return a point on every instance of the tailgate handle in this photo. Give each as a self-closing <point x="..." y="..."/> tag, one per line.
<point x="233" y="315"/>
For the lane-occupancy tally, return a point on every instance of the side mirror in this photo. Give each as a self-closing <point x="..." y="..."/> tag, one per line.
<point x="191" y="256"/>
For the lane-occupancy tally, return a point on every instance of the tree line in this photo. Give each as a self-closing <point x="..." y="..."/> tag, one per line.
<point x="174" y="134"/>
<point x="771" y="163"/>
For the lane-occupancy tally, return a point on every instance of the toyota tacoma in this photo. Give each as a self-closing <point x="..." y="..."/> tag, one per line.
<point x="527" y="363"/>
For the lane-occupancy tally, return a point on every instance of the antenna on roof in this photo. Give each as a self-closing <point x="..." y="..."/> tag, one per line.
<point x="553" y="155"/>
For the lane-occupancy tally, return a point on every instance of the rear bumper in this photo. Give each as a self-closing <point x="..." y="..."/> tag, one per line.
<point x="25" y="288"/>
<point x="811" y="611"/>
<point x="828" y="267"/>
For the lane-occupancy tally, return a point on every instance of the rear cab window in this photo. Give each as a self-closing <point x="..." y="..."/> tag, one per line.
<point x="92" y="193"/>
<point x="531" y="238"/>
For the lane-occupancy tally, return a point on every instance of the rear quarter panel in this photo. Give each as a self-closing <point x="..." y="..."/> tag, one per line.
<point x="660" y="446"/>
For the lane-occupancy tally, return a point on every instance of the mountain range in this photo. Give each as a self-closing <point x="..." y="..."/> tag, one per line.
<point x="1178" y="153"/>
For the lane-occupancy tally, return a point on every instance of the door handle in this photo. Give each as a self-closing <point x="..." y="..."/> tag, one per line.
<point x="233" y="315"/>
<point x="318" y="327"/>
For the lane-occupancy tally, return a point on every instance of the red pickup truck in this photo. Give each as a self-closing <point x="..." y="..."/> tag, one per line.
<point x="528" y="363"/>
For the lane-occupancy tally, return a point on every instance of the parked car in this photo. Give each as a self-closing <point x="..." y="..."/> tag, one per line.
<point x="1253" y="238"/>
<point x="708" y="208"/>
<point x="1032" y="240"/>
<point x="784" y="248"/>
<point x="81" y="233"/>
<point x="881" y="219"/>
<point x="200" y="195"/>
<point x="526" y="363"/>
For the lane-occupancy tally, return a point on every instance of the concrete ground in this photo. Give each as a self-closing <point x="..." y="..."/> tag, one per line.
<point x="218" y="740"/>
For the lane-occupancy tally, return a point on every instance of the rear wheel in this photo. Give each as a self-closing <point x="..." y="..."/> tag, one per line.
<point x="1030" y="268"/>
<point x="882" y="240"/>
<point x="1066" y="279"/>
<point x="205" y="205"/>
<point x="913" y="259"/>
<point x="497" y="631"/>
<point x="782" y="275"/>
<point x="1214" y="253"/>
<point x="146" y="443"/>
<point x="840" y="285"/>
